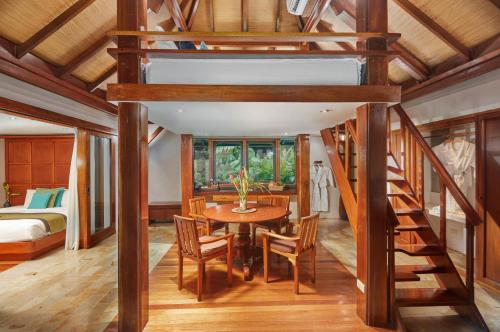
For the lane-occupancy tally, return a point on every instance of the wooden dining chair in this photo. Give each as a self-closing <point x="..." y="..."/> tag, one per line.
<point x="293" y="246"/>
<point x="276" y="226"/>
<point x="201" y="250"/>
<point x="196" y="207"/>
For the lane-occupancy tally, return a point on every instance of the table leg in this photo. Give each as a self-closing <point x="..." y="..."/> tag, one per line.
<point x="242" y="245"/>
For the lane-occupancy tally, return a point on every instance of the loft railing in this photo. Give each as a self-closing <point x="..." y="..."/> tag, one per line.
<point x="414" y="149"/>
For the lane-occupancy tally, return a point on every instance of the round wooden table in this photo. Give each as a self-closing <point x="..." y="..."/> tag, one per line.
<point x="264" y="213"/>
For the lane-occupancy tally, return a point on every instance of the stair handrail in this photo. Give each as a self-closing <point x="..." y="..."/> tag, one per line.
<point x="471" y="214"/>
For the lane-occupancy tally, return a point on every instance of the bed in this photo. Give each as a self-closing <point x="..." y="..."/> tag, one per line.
<point x="28" y="233"/>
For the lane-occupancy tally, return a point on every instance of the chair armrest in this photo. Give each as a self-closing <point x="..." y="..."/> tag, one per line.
<point x="281" y="237"/>
<point x="229" y="236"/>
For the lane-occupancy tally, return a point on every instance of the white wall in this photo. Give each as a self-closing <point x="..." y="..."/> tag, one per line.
<point x="318" y="152"/>
<point x="165" y="168"/>
<point x="2" y="170"/>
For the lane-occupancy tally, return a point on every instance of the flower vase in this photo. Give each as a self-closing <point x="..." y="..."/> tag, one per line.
<point x="243" y="203"/>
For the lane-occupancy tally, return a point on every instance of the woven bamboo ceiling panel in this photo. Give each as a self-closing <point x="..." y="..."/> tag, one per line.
<point x="20" y="19"/>
<point x="79" y="33"/>
<point x="469" y="21"/>
<point x="92" y="69"/>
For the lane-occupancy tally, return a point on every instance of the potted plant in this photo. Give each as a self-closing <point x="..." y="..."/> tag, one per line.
<point x="8" y="195"/>
<point x="244" y="185"/>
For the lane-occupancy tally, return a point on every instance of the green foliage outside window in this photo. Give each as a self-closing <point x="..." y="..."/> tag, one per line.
<point x="200" y="162"/>
<point x="228" y="160"/>
<point x="287" y="161"/>
<point x="261" y="161"/>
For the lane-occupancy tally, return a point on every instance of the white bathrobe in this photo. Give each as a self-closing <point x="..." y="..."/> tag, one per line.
<point x="458" y="156"/>
<point x="321" y="177"/>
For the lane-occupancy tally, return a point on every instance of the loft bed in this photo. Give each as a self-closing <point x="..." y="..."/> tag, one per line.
<point x="28" y="233"/>
<point x="277" y="76"/>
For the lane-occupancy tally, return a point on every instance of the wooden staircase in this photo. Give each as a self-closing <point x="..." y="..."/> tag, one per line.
<point x="410" y="231"/>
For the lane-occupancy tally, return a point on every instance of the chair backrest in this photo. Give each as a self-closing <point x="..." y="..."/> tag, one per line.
<point x="187" y="236"/>
<point x="275" y="200"/>
<point x="308" y="231"/>
<point x="197" y="205"/>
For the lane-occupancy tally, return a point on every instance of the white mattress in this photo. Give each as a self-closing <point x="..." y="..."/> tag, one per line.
<point x="325" y="71"/>
<point x="25" y="229"/>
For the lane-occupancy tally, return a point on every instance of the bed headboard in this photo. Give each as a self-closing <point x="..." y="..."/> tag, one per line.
<point x="37" y="161"/>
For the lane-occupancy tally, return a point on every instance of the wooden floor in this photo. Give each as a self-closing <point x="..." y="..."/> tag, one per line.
<point x="328" y="305"/>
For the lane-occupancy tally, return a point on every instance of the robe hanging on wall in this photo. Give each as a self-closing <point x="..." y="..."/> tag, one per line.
<point x="321" y="177"/>
<point x="458" y="156"/>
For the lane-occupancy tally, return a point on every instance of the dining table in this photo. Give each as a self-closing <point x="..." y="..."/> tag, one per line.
<point x="244" y="250"/>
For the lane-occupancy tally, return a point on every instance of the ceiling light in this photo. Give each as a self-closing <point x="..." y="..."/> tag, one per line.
<point x="325" y="111"/>
<point x="13" y="118"/>
<point x="285" y="134"/>
<point x="180" y="110"/>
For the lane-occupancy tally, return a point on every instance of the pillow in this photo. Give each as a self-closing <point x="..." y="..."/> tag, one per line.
<point x="59" y="197"/>
<point x="29" y="196"/>
<point x="40" y="200"/>
<point x="65" y="198"/>
<point x="53" y="191"/>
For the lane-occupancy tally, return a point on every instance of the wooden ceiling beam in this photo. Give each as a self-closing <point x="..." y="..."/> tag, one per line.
<point x="211" y="14"/>
<point x="496" y="3"/>
<point x="107" y="74"/>
<point x="155" y="5"/>
<point x="244" y="15"/>
<point x="319" y="7"/>
<point x="155" y="134"/>
<point x="37" y="72"/>
<point x="52" y="27"/>
<point x="169" y="24"/>
<point x="74" y="63"/>
<point x="323" y="27"/>
<point x="176" y="13"/>
<point x="432" y="26"/>
<point x="278" y="16"/>
<point x="411" y="64"/>
<point x="192" y="13"/>
<point x="254" y="93"/>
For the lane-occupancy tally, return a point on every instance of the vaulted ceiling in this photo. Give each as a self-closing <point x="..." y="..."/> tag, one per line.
<point x="68" y="38"/>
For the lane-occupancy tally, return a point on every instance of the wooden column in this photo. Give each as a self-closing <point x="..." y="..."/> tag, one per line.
<point x="132" y="232"/>
<point x="186" y="172"/>
<point x="83" y="164"/>
<point x="372" y="270"/>
<point x="303" y="176"/>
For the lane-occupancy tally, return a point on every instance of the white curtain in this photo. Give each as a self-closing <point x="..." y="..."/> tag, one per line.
<point x="73" y="223"/>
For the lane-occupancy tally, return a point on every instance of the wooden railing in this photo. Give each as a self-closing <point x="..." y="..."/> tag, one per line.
<point x="415" y="148"/>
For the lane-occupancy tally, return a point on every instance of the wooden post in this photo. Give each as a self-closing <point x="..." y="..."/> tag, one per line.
<point x="303" y="176"/>
<point x="442" y="215"/>
<point x="186" y="172"/>
<point x="373" y="296"/>
<point x="132" y="231"/>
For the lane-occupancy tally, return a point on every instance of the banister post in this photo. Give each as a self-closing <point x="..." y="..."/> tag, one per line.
<point x="469" y="251"/>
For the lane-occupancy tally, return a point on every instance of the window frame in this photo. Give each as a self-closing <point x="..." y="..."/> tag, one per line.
<point x="275" y="156"/>
<point x="213" y="162"/>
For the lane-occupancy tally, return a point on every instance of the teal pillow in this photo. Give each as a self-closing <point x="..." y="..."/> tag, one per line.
<point x="40" y="200"/>
<point x="59" y="197"/>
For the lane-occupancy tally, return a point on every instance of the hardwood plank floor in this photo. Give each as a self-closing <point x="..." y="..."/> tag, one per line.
<point x="254" y="306"/>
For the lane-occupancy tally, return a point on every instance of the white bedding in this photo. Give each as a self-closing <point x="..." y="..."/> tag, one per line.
<point x="25" y="229"/>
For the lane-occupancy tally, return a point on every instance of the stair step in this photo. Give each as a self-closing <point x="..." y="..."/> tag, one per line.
<point x="391" y="177"/>
<point x="405" y="276"/>
<point x="419" y="269"/>
<point x="395" y="170"/>
<point x="399" y="193"/>
<point x="424" y="297"/>
<point x="407" y="212"/>
<point x="419" y="249"/>
<point x="411" y="228"/>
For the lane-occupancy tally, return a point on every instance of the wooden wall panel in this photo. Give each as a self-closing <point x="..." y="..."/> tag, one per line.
<point x="37" y="161"/>
<point x="186" y="172"/>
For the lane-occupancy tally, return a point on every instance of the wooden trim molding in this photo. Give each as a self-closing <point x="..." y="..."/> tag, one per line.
<point x="303" y="176"/>
<point x="13" y="107"/>
<point x="186" y="172"/>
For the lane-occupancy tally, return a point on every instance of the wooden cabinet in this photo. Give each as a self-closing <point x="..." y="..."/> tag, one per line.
<point x="164" y="211"/>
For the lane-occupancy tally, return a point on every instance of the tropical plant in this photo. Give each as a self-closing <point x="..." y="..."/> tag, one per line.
<point x="287" y="164"/>
<point x="243" y="185"/>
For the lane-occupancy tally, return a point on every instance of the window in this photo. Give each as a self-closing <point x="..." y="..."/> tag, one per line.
<point x="201" y="166"/>
<point x="260" y="161"/>
<point x="287" y="161"/>
<point x="228" y="160"/>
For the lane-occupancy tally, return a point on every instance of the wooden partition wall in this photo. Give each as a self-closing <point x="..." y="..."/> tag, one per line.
<point x="37" y="162"/>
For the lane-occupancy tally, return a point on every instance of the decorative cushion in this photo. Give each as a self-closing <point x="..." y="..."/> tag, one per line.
<point x="59" y="197"/>
<point x="211" y="248"/>
<point x="282" y="245"/>
<point x="29" y="196"/>
<point x="40" y="200"/>
<point x="53" y="191"/>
